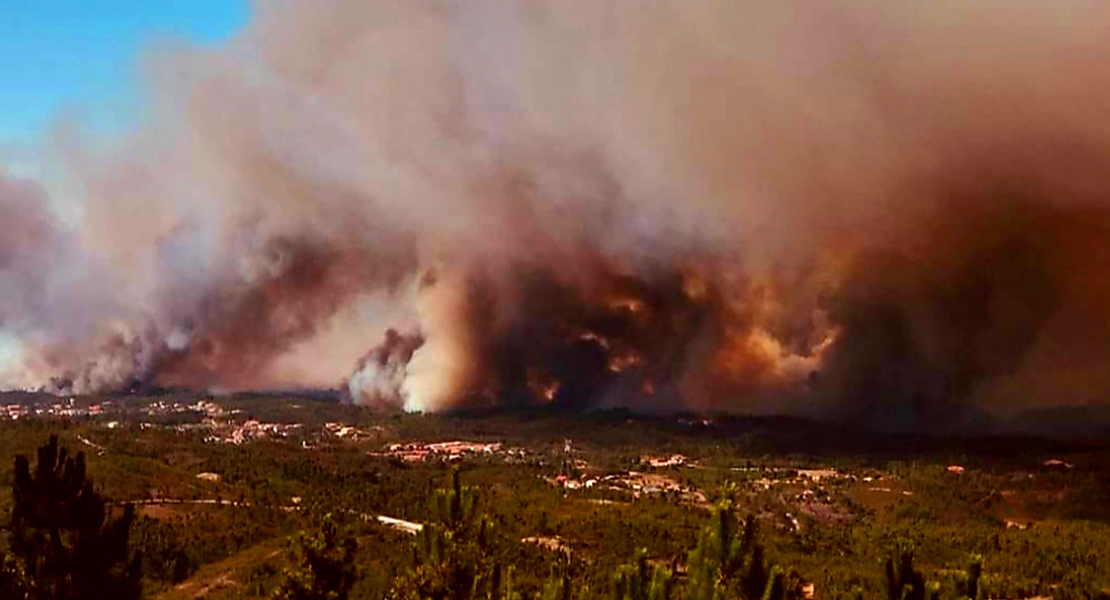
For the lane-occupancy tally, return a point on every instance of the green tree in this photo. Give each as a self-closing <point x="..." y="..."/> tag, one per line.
<point x="974" y="573"/>
<point x="639" y="582"/>
<point x="906" y="583"/>
<point x="968" y="585"/>
<point x="728" y="561"/>
<point x="323" y="565"/>
<point x="452" y="553"/>
<point x="558" y="587"/>
<point x="63" y="547"/>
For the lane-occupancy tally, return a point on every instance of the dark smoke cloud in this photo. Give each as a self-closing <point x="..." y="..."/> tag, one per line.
<point x="889" y="214"/>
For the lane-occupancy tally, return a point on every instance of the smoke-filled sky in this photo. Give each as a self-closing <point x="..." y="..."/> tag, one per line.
<point x="896" y="215"/>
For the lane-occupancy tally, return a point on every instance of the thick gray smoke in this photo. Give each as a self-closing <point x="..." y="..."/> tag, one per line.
<point x="887" y="213"/>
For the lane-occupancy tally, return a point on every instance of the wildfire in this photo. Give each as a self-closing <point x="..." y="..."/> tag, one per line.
<point x="694" y="285"/>
<point x="621" y="361"/>
<point x="625" y="303"/>
<point x="543" y="384"/>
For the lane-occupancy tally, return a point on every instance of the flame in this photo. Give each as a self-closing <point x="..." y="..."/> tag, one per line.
<point x="625" y="303"/>
<point x="543" y="384"/>
<point x="694" y="285"/>
<point x="622" y="360"/>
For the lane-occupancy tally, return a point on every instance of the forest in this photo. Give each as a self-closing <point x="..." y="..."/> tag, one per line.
<point x="305" y="498"/>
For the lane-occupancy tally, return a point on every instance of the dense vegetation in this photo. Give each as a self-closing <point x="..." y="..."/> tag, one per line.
<point x="60" y="546"/>
<point x="295" y="517"/>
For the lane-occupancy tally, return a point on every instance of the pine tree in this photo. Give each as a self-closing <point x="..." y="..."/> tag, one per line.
<point x="974" y="573"/>
<point x="906" y="583"/>
<point x="639" y="582"/>
<point x="559" y="586"/>
<point x="728" y="561"/>
<point x="62" y="545"/>
<point x="775" y="588"/>
<point x="324" y="565"/>
<point x="452" y="553"/>
<point x="968" y="584"/>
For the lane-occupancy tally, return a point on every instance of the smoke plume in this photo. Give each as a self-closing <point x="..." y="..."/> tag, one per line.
<point x="891" y="214"/>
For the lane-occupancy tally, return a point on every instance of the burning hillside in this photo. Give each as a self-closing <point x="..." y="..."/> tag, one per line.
<point x="863" y="211"/>
<point x="602" y="336"/>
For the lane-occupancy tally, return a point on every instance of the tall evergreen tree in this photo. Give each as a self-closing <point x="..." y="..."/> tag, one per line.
<point x="906" y="583"/>
<point x="452" y="552"/>
<point x="639" y="582"/>
<point x="974" y="573"/>
<point x="63" y="547"/>
<point x="558" y="587"/>
<point x="324" y="565"/>
<point x="728" y="561"/>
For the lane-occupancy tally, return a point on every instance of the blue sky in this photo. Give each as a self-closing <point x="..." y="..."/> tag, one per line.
<point x="83" y="55"/>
